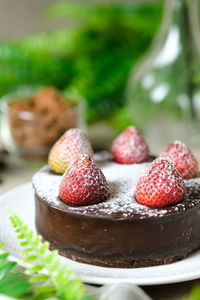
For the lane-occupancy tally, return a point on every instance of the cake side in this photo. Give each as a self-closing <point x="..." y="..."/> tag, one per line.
<point x="119" y="243"/>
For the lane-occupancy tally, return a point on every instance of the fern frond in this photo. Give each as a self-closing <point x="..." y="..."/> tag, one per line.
<point x="56" y="280"/>
<point x="11" y="283"/>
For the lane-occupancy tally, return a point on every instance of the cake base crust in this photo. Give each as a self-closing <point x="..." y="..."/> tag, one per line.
<point x="120" y="263"/>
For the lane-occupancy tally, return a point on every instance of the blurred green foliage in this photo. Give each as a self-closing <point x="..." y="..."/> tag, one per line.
<point x="194" y="295"/>
<point x="92" y="58"/>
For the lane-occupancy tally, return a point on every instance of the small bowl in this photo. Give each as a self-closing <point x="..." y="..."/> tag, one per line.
<point x="32" y="120"/>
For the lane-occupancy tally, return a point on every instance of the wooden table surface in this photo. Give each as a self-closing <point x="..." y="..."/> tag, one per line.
<point x="15" y="175"/>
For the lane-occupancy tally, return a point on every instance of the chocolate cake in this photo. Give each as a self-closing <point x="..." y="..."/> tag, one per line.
<point x="118" y="232"/>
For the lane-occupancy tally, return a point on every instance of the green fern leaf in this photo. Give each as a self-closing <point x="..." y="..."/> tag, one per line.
<point x="34" y="269"/>
<point x="20" y="236"/>
<point x="46" y="288"/>
<point x="3" y="257"/>
<point x="63" y="284"/>
<point x="42" y="277"/>
<point x="74" y="289"/>
<point x="36" y="241"/>
<point x="63" y="271"/>
<point x="11" y="284"/>
<point x="53" y="268"/>
<point x="6" y="268"/>
<point x="26" y="251"/>
<point x="43" y="296"/>
<point x="66" y="278"/>
<point x="30" y="234"/>
<point x="30" y="258"/>
<point x="44" y="247"/>
<point x="24" y="243"/>
<point x="49" y="258"/>
<point x="14" y="285"/>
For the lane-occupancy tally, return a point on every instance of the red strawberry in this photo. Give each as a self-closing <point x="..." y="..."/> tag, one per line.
<point x="83" y="183"/>
<point x="160" y="185"/>
<point x="130" y="147"/>
<point x="182" y="159"/>
<point x="68" y="148"/>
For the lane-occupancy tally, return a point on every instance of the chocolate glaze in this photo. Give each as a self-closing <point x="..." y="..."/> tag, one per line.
<point x="111" y="235"/>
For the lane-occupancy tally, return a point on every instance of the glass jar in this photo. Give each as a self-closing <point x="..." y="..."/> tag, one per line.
<point x="32" y="120"/>
<point x="164" y="89"/>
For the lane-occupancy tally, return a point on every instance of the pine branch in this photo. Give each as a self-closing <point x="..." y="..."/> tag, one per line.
<point x="47" y="268"/>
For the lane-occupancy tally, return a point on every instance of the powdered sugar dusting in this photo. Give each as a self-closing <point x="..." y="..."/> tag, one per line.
<point x="130" y="147"/>
<point x="122" y="180"/>
<point x="67" y="149"/>
<point x="182" y="159"/>
<point x="83" y="183"/>
<point x="160" y="185"/>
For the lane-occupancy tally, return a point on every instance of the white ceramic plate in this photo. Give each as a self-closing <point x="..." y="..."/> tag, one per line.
<point x="21" y="201"/>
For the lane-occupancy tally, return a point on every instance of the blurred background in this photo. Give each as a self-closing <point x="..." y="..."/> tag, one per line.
<point x="99" y="65"/>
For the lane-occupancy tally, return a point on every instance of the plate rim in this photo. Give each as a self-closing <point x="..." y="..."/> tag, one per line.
<point x="100" y="280"/>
